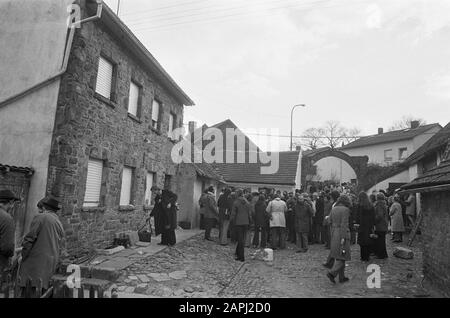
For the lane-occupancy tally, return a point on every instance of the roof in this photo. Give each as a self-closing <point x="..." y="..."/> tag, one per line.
<point x="437" y="176"/>
<point x="396" y="135"/>
<point x="24" y="170"/>
<point x="207" y="171"/>
<point x="251" y="172"/>
<point x="435" y="143"/>
<point x="132" y="43"/>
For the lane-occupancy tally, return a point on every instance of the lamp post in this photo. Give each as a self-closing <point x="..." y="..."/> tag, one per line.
<point x="292" y="113"/>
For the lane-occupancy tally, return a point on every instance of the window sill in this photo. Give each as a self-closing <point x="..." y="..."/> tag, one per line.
<point x="127" y="208"/>
<point x="135" y="118"/>
<point x="93" y="209"/>
<point x="156" y="131"/>
<point x="105" y="100"/>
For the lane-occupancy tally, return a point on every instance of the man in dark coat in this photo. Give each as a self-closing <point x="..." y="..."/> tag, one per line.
<point x="7" y="201"/>
<point x="208" y="207"/>
<point x="318" y="236"/>
<point x="169" y="208"/>
<point x="291" y="202"/>
<point x="158" y="215"/>
<point x="303" y="214"/>
<point x="42" y="247"/>
<point x="242" y="219"/>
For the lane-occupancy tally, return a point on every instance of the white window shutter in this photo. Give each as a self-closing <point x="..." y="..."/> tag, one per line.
<point x="170" y="125"/>
<point x="125" y="191"/>
<point x="133" y="99"/>
<point x="148" y="188"/>
<point x="155" y="112"/>
<point x="104" y="78"/>
<point x="93" y="183"/>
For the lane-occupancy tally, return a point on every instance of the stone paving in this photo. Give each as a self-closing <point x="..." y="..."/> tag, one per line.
<point x="198" y="268"/>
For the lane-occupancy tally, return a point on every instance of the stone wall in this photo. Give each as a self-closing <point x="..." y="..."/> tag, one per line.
<point x="436" y="237"/>
<point x="88" y="126"/>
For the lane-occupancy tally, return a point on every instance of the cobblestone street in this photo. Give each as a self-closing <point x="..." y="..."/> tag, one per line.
<point x="197" y="268"/>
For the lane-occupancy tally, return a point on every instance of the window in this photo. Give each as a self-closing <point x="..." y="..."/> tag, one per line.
<point x="104" y="78"/>
<point x="155" y="114"/>
<point x="172" y="123"/>
<point x="125" y="191"/>
<point x="133" y="99"/>
<point x="402" y="153"/>
<point x="149" y="182"/>
<point x="388" y="155"/>
<point x="93" y="183"/>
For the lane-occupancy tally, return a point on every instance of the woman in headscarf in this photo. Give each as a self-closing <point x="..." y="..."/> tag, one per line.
<point x="340" y="238"/>
<point x="169" y="207"/>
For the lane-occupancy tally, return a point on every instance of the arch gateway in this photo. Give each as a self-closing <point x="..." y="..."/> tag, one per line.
<point x="311" y="157"/>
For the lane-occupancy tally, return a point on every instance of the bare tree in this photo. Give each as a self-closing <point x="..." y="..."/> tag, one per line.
<point x="405" y="123"/>
<point x="313" y="137"/>
<point x="332" y="134"/>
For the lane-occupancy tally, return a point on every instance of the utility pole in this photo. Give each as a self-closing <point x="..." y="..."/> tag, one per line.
<point x="118" y="7"/>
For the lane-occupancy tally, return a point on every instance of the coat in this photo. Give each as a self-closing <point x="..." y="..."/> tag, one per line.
<point x="395" y="213"/>
<point x="158" y="215"/>
<point x="208" y="206"/>
<point x="339" y="219"/>
<point x="6" y="239"/>
<point x="169" y="211"/>
<point x="41" y="250"/>
<point x="277" y="209"/>
<point x="381" y="216"/>
<point x="261" y="216"/>
<point x="225" y="205"/>
<point x="320" y="211"/>
<point x="241" y="214"/>
<point x="302" y="217"/>
<point x="365" y="217"/>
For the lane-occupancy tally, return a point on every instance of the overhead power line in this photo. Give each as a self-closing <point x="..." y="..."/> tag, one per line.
<point x="230" y="17"/>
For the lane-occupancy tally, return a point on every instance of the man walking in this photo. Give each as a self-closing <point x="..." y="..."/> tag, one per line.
<point x="7" y="202"/>
<point x="42" y="248"/>
<point x="209" y="210"/>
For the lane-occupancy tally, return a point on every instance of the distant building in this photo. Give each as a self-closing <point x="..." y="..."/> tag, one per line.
<point x="391" y="147"/>
<point x="434" y="189"/>
<point x="96" y="130"/>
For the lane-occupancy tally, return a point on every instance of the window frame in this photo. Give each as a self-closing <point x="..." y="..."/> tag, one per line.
<point x="138" y="101"/>
<point x="388" y="159"/>
<point x="132" y="178"/>
<point x="99" y="203"/>
<point x="400" y="150"/>
<point x="158" y="122"/>
<point x="150" y="198"/>
<point x="112" y="96"/>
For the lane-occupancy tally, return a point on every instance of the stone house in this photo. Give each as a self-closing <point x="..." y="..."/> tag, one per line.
<point x="109" y="125"/>
<point x="434" y="189"/>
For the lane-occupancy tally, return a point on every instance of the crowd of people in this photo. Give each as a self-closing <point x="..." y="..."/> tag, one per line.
<point x="334" y="216"/>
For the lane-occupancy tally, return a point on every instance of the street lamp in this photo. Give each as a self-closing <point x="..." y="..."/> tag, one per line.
<point x="292" y="113"/>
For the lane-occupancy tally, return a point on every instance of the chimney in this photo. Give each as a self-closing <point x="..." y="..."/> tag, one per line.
<point x="192" y="126"/>
<point x="415" y="124"/>
<point x="380" y="131"/>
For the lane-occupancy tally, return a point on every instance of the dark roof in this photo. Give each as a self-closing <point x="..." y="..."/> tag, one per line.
<point x="132" y="43"/>
<point x="251" y="172"/>
<point x="206" y="170"/>
<point x="435" y="143"/>
<point x="25" y="170"/>
<point x="391" y="136"/>
<point x="437" y="176"/>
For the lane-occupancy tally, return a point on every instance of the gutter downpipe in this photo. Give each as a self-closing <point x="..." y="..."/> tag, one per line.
<point x="65" y="61"/>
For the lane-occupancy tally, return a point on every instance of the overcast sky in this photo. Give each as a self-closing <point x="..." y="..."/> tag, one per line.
<point x="363" y="63"/>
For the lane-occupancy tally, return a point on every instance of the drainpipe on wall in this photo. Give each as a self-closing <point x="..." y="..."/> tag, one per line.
<point x="65" y="61"/>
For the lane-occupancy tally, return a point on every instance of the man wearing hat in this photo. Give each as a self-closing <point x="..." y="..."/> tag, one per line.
<point x="7" y="202"/>
<point x="42" y="246"/>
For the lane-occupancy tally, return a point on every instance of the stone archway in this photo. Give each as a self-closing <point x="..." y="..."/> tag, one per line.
<point x="309" y="158"/>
